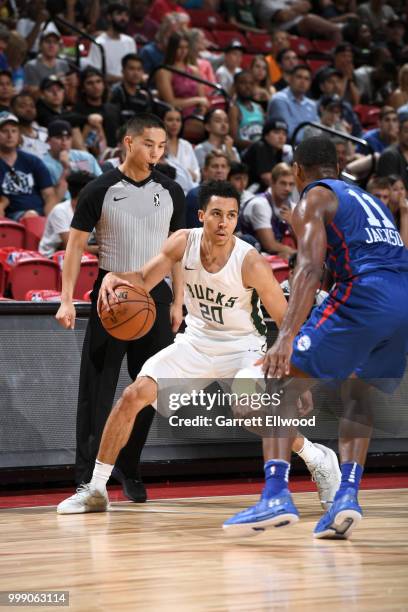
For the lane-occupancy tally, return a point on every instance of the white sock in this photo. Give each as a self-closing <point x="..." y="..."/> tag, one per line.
<point x="101" y="475"/>
<point x="310" y="453"/>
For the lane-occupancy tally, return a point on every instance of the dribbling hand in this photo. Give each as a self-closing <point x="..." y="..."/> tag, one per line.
<point x="107" y="295"/>
<point x="66" y="315"/>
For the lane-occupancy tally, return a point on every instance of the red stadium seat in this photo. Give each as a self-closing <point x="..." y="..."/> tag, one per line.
<point x="368" y="115"/>
<point x="324" y="46"/>
<point x="301" y="46"/>
<point x="280" y="267"/>
<point x="247" y="60"/>
<point x="224" y="38"/>
<point x="10" y="256"/>
<point x="11" y="234"/>
<point x="87" y="296"/>
<point x="259" y="43"/>
<point x="35" y="273"/>
<point x="2" y="280"/>
<point x="88" y="274"/>
<point x="34" y="231"/>
<point x="316" y="64"/>
<point x="210" y="20"/>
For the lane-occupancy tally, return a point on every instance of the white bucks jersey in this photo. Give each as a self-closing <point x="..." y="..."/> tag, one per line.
<point x="219" y="307"/>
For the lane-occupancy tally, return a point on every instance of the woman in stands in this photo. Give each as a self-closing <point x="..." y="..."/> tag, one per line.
<point x="176" y="89"/>
<point x="179" y="152"/>
<point x="399" y="97"/>
<point x="263" y="88"/>
<point x="197" y="45"/>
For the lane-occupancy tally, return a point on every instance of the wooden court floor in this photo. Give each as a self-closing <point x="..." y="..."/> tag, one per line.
<point x="171" y="555"/>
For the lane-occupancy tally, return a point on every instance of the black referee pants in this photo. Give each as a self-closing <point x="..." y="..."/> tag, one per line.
<point x="101" y="361"/>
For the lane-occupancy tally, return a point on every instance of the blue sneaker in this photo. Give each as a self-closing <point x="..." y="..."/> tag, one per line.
<point x="344" y="515"/>
<point x="276" y="511"/>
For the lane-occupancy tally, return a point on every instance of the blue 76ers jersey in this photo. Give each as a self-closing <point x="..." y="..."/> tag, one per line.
<point x="362" y="238"/>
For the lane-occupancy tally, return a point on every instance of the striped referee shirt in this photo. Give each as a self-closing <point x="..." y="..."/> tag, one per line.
<point x="132" y="219"/>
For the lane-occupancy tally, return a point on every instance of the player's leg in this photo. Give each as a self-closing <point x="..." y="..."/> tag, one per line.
<point x="127" y="466"/>
<point x="101" y="360"/>
<point x="93" y="497"/>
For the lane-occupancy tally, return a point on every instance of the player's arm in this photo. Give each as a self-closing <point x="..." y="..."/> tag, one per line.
<point x="309" y="223"/>
<point x="152" y="272"/>
<point x="77" y="242"/>
<point x="257" y="273"/>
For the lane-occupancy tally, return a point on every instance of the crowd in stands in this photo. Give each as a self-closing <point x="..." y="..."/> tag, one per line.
<point x="234" y="82"/>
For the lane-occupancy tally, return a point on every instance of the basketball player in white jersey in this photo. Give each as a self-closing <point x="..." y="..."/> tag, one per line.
<point x="225" y="279"/>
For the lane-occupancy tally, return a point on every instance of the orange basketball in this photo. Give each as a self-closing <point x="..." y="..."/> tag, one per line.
<point x="132" y="317"/>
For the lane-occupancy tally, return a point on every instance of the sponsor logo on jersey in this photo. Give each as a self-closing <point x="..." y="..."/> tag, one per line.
<point x="156" y="199"/>
<point x="304" y="343"/>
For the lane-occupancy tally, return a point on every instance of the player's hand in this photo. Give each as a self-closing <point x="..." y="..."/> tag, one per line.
<point x="107" y="295"/>
<point x="276" y="362"/>
<point x="66" y="315"/>
<point x="176" y="316"/>
<point x="305" y="403"/>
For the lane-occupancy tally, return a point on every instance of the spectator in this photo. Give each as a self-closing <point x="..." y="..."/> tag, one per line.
<point x="33" y="136"/>
<point x="93" y="94"/>
<point x="380" y="187"/>
<point x="197" y="45"/>
<point x="47" y="64"/>
<point x="398" y="205"/>
<point x="343" y="154"/>
<point x="264" y="155"/>
<point x="61" y="159"/>
<point x="56" y="231"/>
<point x="115" y="43"/>
<point x="6" y="90"/>
<point x="241" y="14"/>
<point x="16" y="54"/>
<point x="25" y="183"/>
<point x="377" y="14"/>
<point x="238" y="176"/>
<point x="152" y="54"/>
<point x="31" y="26"/>
<point x="360" y="36"/>
<point x="287" y="60"/>
<point x="291" y="104"/>
<point x="344" y="64"/>
<point x="113" y="156"/>
<point x="232" y="65"/>
<point x="338" y="11"/>
<point x="217" y="125"/>
<point x="330" y="112"/>
<point x="4" y="40"/>
<point x="216" y="168"/>
<point x="178" y="90"/>
<point x="400" y="96"/>
<point x="179" y="152"/>
<point x="130" y="95"/>
<point x="279" y="40"/>
<point x="294" y="17"/>
<point x="386" y="134"/>
<point x="71" y="85"/>
<point x="394" y="159"/>
<point x="267" y="217"/>
<point x="246" y="117"/>
<point x="396" y="41"/>
<point x="141" y="27"/>
<point x="263" y="88"/>
<point x="376" y="81"/>
<point x="329" y="82"/>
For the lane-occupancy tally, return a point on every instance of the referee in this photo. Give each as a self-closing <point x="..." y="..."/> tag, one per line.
<point x="133" y="209"/>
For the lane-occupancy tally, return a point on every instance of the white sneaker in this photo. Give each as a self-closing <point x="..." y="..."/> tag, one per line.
<point x="84" y="500"/>
<point x="327" y="476"/>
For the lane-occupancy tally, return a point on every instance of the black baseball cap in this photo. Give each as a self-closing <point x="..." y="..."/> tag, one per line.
<point x="48" y="82"/>
<point x="235" y="45"/>
<point x="326" y="73"/>
<point x="59" y="127"/>
<point x="274" y="124"/>
<point x="330" y="101"/>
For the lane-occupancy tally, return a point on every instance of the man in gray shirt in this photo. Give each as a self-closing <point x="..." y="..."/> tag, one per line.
<point x="46" y="64"/>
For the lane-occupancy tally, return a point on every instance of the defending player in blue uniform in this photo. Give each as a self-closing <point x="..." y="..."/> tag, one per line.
<point x="359" y="332"/>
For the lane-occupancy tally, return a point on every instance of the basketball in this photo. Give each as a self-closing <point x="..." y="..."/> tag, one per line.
<point x="132" y="317"/>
